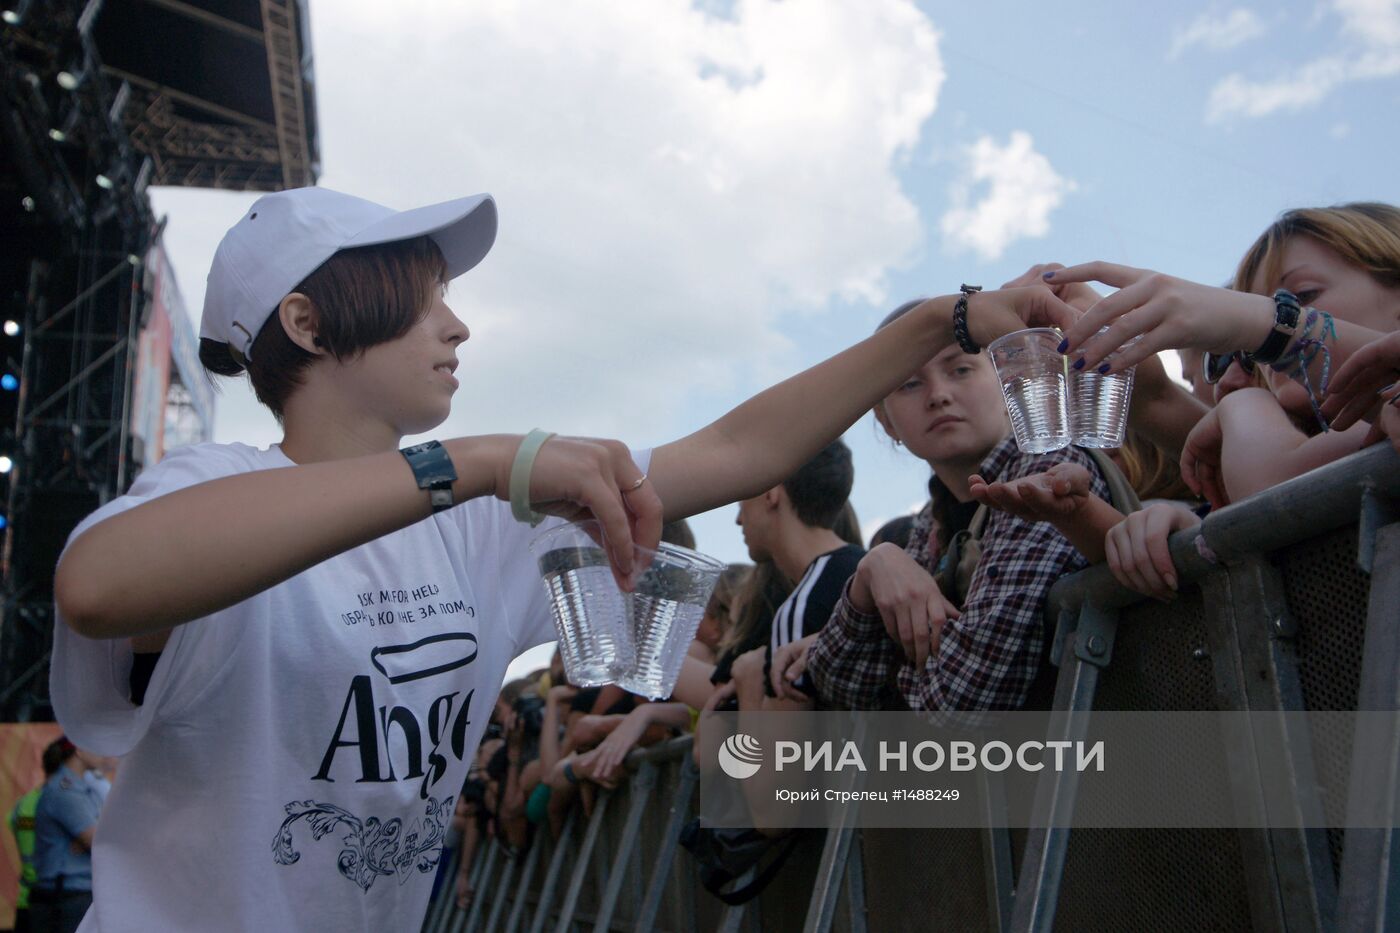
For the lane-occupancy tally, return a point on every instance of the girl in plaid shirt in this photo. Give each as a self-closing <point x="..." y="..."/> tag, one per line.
<point x="900" y="636"/>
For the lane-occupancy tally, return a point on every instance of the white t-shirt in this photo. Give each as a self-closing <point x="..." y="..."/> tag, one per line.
<point x="297" y="757"/>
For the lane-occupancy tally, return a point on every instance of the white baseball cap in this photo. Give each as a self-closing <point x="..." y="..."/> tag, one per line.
<point x="287" y="235"/>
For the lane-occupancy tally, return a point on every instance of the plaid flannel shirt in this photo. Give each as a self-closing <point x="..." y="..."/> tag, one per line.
<point x="989" y="657"/>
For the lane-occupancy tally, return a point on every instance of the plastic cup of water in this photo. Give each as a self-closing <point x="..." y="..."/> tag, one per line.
<point x="1033" y="375"/>
<point x="1098" y="405"/>
<point x="667" y="605"/>
<point x="591" y="613"/>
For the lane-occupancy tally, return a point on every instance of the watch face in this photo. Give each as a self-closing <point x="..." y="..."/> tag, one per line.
<point x="432" y="467"/>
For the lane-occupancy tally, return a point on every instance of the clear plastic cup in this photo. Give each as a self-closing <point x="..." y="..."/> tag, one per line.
<point x="591" y="613"/>
<point x="667" y="606"/>
<point x="1033" y="376"/>
<point x="1098" y="405"/>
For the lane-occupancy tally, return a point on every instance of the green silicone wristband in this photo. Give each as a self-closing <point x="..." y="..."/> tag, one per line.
<point x="520" y="477"/>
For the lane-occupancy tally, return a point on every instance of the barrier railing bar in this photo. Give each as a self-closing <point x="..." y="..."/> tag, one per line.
<point x="527" y="875"/>
<point x="732" y="921"/>
<point x="670" y="841"/>
<point x="1298" y="860"/>
<point x="1047" y="841"/>
<point x="437" y="910"/>
<point x="452" y="918"/>
<point x="1370" y="882"/>
<point x="512" y="865"/>
<point x="855" y="887"/>
<point x="821" y="909"/>
<point x="1318" y="502"/>
<point x="1243" y="762"/>
<point x="551" y="877"/>
<point x="831" y="873"/>
<point x="494" y="855"/>
<point x="1377" y="511"/>
<point x="640" y="787"/>
<point x="582" y="863"/>
<point x="996" y="851"/>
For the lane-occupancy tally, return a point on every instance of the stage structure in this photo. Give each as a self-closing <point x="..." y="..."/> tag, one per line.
<point x="99" y="370"/>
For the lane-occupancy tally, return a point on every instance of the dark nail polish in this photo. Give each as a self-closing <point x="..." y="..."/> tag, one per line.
<point x="1064" y="345"/>
<point x="1048" y="275"/>
<point x="1079" y="363"/>
<point x="1103" y="370"/>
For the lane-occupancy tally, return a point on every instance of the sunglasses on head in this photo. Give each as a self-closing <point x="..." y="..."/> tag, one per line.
<point x="1213" y="365"/>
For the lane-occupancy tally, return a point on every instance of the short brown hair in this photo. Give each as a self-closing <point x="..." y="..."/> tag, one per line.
<point x="1366" y="234"/>
<point x="363" y="297"/>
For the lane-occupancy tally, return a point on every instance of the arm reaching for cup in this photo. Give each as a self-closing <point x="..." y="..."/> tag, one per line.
<point x="1161" y="410"/>
<point x="1172" y="313"/>
<point x="764" y="440"/>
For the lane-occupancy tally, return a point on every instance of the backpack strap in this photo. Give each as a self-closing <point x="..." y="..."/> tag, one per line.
<point x="1121" y="494"/>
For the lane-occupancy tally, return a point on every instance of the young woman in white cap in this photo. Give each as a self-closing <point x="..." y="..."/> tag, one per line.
<point x="334" y="615"/>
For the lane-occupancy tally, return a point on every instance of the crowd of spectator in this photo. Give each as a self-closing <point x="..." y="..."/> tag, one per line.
<point x="1290" y="367"/>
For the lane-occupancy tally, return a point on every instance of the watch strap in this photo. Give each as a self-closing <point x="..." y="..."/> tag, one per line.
<point x="1287" y="311"/>
<point x="433" y="471"/>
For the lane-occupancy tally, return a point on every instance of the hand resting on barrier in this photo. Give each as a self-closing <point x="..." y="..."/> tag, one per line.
<point x="1138" y="553"/>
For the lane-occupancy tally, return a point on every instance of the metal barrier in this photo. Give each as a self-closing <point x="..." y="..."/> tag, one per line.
<point x="1289" y="601"/>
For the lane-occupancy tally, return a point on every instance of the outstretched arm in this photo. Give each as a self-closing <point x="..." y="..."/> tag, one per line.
<point x="276" y="523"/>
<point x="764" y="440"/>
<point x="1171" y="313"/>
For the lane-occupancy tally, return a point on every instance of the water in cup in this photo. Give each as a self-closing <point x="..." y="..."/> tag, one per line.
<point x="637" y="640"/>
<point x="1098" y="407"/>
<point x="667" y="606"/>
<point x="591" y="615"/>
<point x="1098" y="404"/>
<point x="1033" y="382"/>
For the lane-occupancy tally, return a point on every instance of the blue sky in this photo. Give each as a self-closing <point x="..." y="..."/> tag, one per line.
<point x="698" y="201"/>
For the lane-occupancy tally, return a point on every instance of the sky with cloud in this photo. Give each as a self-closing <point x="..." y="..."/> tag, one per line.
<point x="700" y="198"/>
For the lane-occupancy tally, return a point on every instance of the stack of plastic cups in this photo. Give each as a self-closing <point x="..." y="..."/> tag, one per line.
<point x="637" y="640"/>
<point x="1051" y="405"/>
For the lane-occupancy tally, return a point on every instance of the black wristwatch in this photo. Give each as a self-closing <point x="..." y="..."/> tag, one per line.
<point x="433" y="470"/>
<point x="1287" y="311"/>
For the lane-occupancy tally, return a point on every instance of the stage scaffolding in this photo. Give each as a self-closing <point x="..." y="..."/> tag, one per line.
<point x="97" y="102"/>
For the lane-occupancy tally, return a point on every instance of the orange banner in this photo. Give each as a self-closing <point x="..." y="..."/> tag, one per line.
<point x="21" y="745"/>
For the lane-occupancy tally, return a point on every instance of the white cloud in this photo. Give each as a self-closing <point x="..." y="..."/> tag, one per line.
<point x="669" y="182"/>
<point x="1005" y="193"/>
<point x="1368" y="50"/>
<point x="1217" y="31"/>
<point x="1373" y="23"/>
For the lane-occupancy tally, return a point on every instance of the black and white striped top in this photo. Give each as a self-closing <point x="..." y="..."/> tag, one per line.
<point x="810" y="604"/>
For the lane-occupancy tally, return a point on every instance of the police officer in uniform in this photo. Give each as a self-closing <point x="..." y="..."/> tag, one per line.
<point x="22" y="825"/>
<point x="64" y="824"/>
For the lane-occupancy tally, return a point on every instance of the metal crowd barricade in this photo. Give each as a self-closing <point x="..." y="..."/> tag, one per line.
<point x="1289" y="601"/>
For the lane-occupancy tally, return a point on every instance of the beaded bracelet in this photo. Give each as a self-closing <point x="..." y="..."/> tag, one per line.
<point x="960" y="331"/>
